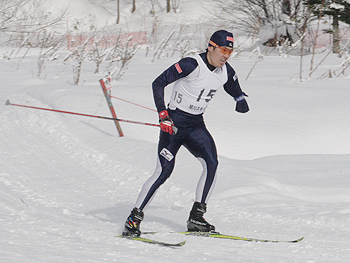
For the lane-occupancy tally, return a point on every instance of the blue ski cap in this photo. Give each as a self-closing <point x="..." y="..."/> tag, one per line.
<point x="222" y="38"/>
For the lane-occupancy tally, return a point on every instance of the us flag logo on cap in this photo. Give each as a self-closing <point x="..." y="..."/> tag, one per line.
<point x="230" y="41"/>
<point x="228" y="38"/>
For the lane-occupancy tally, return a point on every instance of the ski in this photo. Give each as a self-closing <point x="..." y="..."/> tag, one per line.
<point x="156" y="242"/>
<point x="218" y="235"/>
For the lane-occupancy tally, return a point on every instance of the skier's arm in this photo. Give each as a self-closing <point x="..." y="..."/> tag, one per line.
<point x="233" y="88"/>
<point x="179" y="70"/>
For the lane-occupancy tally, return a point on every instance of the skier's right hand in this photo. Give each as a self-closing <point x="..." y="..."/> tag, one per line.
<point x="166" y="123"/>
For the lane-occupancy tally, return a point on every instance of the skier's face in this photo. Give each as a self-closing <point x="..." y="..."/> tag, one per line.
<point x="218" y="56"/>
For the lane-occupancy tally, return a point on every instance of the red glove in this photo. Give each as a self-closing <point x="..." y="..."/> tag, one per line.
<point x="166" y="124"/>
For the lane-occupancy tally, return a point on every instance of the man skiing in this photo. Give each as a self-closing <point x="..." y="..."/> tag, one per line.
<point x="197" y="78"/>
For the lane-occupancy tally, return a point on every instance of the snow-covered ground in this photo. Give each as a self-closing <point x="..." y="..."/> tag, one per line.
<point x="68" y="182"/>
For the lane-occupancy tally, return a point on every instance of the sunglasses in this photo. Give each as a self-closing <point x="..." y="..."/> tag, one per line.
<point x="223" y="50"/>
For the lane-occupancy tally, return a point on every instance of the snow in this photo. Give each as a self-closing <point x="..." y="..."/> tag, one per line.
<point x="336" y="6"/>
<point x="68" y="182"/>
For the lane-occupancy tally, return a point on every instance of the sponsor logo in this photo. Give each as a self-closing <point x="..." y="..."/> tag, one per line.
<point x="197" y="222"/>
<point x="196" y="108"/>
<point x="235" y="77"/>
<point x="166" y="154"/>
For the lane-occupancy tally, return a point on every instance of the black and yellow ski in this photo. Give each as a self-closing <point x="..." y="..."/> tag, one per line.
<point x="156" y="242"/>
<point x="219" y="235"/>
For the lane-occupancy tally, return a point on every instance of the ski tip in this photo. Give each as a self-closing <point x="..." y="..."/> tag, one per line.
<point x="182" y="243"/>
<point x="156" y="242"/>
<point x="8" y="102"/>
<point x="298" y="240"/>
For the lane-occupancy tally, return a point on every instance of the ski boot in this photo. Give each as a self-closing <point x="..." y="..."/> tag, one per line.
<point x="132" y="223"/>
<point x="196" y="222"/>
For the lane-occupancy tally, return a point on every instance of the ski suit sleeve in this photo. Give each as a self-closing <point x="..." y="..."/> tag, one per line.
<point x="233" y="88"/>
<point x="178" y="70"/>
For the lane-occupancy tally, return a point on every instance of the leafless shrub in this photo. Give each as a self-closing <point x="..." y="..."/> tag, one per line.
<point x="120" y="57"/>
<point x="97" y="54"/>
<point x="78" y="55"/>
<point x="162" y="46"/>
<point x="259" y="58"/>
<point x="338" y="72"/>
<point x="47" y="54"/>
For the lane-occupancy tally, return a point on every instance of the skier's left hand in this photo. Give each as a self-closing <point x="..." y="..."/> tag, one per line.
<point x="241" y="103"/>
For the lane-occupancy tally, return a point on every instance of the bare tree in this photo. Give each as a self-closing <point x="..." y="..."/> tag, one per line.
<point x="118" y="11"/>
<point x="26" y="16"/>
<point x="339" y="10"/>
<point x="175" y="5"/>
<point x="27" y="20"/>
<point x="283" y="19"/>
<point x="133" y="6"/>
<point x="167" y="6"/>
<point x="8" y="13"/>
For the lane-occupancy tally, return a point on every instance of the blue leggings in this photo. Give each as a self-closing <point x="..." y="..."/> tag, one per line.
<point x="193" y="135"/>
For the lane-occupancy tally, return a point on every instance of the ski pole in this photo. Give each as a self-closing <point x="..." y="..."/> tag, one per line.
<point x="88" y="115"/>
<point x="82" y="114"/>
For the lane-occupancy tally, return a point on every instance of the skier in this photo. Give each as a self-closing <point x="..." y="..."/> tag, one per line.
<point x="197" y="78"/>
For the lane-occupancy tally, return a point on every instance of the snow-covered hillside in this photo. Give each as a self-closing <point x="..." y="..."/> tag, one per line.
<point x="68" y="182"/>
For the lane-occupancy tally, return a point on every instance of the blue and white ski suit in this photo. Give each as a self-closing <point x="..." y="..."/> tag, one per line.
<point x="196" y="83"/>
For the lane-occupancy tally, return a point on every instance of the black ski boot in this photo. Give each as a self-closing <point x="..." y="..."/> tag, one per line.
<point x="132" y="223"/>
<point x="196" y="222"/>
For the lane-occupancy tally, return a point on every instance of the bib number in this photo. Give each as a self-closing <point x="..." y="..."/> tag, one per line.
<point x="210" y="94"/>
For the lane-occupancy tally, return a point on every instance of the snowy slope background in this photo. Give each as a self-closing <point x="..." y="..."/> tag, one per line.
<point x="67" y="183"/>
